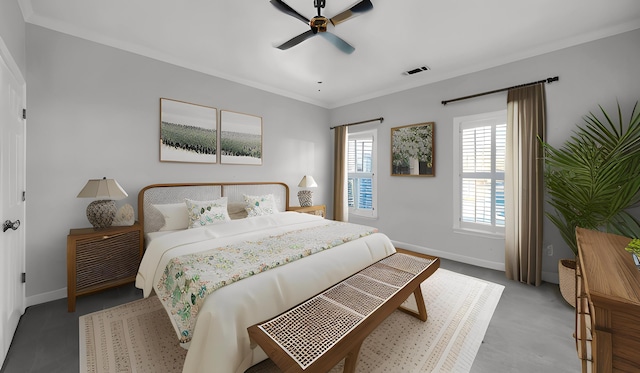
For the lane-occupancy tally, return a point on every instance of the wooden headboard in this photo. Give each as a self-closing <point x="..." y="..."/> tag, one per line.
<point x="176" y="193"/>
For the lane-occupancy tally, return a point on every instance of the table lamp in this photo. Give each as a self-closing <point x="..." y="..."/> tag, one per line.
<point x="102" y="212"/>
<point x="305" y="196"/>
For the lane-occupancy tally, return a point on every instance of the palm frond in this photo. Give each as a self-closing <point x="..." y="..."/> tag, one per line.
<point x="594" y="178"/>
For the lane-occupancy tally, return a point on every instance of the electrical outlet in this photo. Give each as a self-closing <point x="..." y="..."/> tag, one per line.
<point x="549" y="250"/>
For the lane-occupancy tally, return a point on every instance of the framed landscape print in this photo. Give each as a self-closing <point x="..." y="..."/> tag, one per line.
<point x="240" y="138"/>
<point x="412" y="151"/>
<point x="188" y="132"/>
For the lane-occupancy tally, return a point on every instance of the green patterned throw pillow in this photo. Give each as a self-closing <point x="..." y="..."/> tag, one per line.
<point x="260" y="205"/>
<point x="203" y="213"/>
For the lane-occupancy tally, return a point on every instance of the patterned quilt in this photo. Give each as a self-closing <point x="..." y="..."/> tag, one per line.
<point x="188" y="279"/>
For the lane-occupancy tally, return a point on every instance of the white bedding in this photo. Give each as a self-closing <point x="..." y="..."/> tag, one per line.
<point x="220" y="341"/>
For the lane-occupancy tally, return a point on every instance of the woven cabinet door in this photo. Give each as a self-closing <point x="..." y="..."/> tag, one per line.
<point x="104" y="259"/>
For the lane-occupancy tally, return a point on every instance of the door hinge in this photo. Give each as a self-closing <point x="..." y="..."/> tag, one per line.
<point x="24" y="277"/>
<point x="24" y="195"/>
<point x="24" y="113"/>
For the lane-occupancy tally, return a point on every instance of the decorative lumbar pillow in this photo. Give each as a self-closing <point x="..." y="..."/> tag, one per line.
<point x="153" y="219"/>
<point x="260" y="205"/>
<point x="236" y="210"/>
<point x="203" y="213"/>
<point x="175" y="216"/>
<point x="124" y="216"/>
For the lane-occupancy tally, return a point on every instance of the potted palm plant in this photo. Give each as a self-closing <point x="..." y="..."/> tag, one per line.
<point x="592" y="181"/>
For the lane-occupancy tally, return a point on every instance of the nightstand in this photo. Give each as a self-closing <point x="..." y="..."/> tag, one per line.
<point x="320" y="210"/>
<point x="98" y="259"/>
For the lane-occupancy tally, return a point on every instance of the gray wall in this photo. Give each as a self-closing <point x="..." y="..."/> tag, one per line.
<point x="417" y="212"/>
<point x="94" y="112"/>
<point x="12" y="32"/>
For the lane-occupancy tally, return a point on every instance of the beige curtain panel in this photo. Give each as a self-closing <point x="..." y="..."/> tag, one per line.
<point x="524" y="184"/>
<point x="340" y="208"/>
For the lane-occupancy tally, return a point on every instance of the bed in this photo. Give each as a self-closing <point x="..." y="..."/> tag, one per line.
<point x="211" y="320"/>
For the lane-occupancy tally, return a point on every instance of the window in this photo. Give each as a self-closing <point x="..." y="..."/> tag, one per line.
<point x="479" y="161"/>
<point x="361" y="168"/>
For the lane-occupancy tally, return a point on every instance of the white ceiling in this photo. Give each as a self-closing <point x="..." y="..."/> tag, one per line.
<point x="235" y="39"/>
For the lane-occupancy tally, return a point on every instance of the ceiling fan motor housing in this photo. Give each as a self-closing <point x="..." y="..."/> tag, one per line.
<point x="319" y="23"/>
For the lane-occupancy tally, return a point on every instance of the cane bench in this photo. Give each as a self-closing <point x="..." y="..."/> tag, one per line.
<point x="318" y="333"/>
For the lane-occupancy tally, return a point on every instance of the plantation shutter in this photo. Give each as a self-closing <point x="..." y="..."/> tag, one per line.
<point x="360" y="170"/>
<point x="482" y="173"/>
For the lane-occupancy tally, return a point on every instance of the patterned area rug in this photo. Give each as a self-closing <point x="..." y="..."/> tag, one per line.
<point x="134" y="337"/>
<point x="138" y="336"/>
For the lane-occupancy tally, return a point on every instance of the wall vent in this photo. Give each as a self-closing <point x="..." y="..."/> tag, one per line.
<point x="417" y="70"/>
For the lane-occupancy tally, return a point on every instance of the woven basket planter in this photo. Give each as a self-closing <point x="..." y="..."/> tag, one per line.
<point x="567" y="279"/>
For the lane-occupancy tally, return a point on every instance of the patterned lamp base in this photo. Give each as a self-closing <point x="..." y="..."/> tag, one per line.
<point x="101" y="213"/>
<point x="305" y="198"/>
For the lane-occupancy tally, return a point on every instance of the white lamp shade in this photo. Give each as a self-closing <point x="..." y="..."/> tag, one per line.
<point x="102" y="188"/>
<point x="307" y="182"/>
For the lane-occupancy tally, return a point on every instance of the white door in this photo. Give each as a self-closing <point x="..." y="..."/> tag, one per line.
<point x="12" y="206"/>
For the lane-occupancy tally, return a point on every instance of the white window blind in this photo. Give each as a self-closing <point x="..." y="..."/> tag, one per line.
<point x="480" y="154"/>
<point x="361" y="171"/>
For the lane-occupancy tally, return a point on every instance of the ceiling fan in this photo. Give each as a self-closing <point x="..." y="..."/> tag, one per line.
<point x="318" y="24"/>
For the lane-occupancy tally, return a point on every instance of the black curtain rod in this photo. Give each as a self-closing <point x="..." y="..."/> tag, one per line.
<point x="548" y="80"/>
<point x="381" y="119"/>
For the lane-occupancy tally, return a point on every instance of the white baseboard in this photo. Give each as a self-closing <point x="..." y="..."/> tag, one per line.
<point x="46" y="297"/>
<point x="456" y="257"/>
<point x="551" y="277"/>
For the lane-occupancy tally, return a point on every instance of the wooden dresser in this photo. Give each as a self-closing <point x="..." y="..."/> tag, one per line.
<point x="608" y="304"/>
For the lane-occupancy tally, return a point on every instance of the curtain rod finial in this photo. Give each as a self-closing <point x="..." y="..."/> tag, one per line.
<point x="554" y="79"/>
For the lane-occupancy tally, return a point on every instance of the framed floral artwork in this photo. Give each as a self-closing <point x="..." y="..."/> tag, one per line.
<point x="412" y="152"/>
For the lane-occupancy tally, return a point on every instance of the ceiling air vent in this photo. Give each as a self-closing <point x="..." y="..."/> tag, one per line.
<point x="416" y="70"/>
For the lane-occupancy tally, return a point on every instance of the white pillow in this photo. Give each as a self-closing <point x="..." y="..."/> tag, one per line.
<point x="203" y="213"/>
<point x="260" y="205"/>
<point x="236" y="210"/>
<point x="175" y="216"/>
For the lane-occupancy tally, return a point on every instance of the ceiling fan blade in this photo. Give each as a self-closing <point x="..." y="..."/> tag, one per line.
<point x="283" y="7"/>
<point x="338" y="42"/>
<point x="296" y="40"/>
<point x="356" y="10"/>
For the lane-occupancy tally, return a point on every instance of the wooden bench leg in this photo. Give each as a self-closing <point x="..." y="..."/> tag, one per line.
<point x="351" y="360"/>
<point x="422" y="309"/>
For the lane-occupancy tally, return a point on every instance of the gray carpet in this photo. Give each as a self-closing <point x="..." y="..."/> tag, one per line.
<point x="531" y="330"/>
